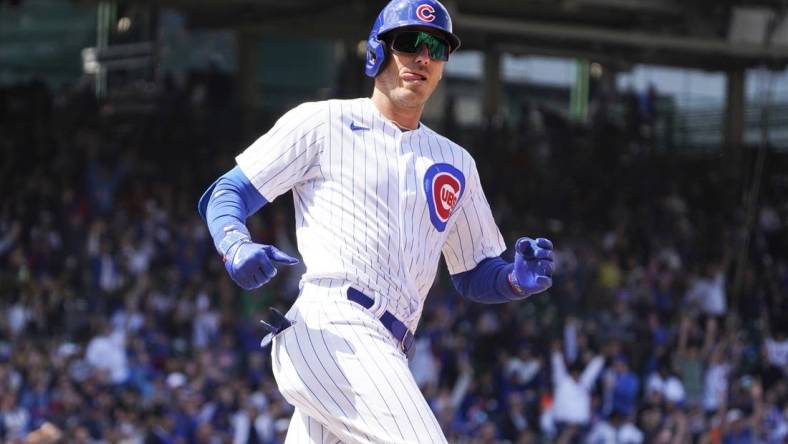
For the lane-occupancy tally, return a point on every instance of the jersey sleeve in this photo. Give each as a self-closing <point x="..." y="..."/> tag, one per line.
<point x="287" y="154"/>
<point x="473" y="234"/>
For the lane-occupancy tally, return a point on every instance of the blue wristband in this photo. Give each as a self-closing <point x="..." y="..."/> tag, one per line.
<point x="516" y="285"/>
<point x="234" y="235"/>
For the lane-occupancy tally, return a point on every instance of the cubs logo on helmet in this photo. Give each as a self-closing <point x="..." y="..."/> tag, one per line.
<point x="425" y="13"/>
<point x="443" y="186"/>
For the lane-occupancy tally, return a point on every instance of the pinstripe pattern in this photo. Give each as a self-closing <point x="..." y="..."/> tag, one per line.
<point x="361" y="210"/>
<point x="362" y="220"/>
<point x="304" y="429"/>
<point x="355" y="380"/>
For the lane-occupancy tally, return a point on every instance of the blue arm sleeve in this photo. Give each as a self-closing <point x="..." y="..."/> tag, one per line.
<point x="487" y="283"/>
<point x="227" y="203"/>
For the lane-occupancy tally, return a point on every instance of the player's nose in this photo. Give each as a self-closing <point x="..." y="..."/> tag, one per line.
<point x="423" y="54"/>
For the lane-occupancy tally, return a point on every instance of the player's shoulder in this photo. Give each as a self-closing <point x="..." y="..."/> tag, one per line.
<point x="306" y="115"/>
<point x="352" y="113"/>
<point x="308" y="108"/>
<point x="337" y="103"/>
<point x="333" y="112"/>
<point x="457" y="151"/>
<point x="346" y="107"/>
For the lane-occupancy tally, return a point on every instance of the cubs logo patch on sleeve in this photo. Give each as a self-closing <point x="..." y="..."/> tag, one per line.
<point x="443" y="186"/>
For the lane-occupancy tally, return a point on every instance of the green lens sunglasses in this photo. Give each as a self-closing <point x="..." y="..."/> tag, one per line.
<point x="409" y="42"/>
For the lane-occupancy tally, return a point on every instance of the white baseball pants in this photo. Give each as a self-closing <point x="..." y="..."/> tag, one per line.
<point x="346" y="376"/>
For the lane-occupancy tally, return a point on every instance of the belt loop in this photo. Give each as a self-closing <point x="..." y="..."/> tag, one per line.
<point x="378" y="307"/>
<point x="378" y="304"/>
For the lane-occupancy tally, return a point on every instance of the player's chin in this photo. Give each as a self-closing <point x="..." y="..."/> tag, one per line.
<point x="420" y="91"/>
<point x="415" y="95"/>
<point x="419" y="87"/>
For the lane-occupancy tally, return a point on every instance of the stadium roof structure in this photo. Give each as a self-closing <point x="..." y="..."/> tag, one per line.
<point x="704" y="34"/>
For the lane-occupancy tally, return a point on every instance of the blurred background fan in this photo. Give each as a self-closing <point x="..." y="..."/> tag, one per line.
<point x="659" y="128"/>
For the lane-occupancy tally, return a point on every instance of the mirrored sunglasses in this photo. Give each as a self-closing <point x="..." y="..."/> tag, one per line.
<point x="410" y="42"/>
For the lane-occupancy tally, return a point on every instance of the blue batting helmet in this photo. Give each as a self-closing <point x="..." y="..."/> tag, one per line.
<point x="401" y="14"/>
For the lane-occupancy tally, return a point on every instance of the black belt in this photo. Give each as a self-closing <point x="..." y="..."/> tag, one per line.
<point x="392" y="324"/>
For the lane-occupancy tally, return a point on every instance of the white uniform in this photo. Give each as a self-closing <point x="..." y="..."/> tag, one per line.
<point x="375" y="208"/>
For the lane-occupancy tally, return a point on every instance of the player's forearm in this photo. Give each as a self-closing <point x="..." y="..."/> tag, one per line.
<point x="226" y="205"/>
<point x="487" y="283"/>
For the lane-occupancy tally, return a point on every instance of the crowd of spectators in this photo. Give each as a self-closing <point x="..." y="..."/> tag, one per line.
<point x="666" y="324"/>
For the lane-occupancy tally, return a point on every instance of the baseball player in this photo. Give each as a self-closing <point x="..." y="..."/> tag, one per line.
<point x="379" y="197"/>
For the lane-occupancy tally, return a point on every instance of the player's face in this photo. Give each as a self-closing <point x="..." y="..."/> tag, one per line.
<point x="410" y="79"/>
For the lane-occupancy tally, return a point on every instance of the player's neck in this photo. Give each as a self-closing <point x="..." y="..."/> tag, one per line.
<point x="404" y="118"/>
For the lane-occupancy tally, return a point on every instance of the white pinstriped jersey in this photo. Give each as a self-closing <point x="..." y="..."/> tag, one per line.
<point x="375" y="206"/>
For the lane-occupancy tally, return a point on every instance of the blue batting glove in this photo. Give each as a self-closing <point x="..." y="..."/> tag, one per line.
<point x="251" y="265"/>
<point x="533" y="266"/>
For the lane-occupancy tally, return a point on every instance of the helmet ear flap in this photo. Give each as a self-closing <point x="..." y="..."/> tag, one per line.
<point x="376" y="56"/>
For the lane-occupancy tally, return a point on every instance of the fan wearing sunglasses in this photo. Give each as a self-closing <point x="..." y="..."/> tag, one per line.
<point x="379" y="199"/>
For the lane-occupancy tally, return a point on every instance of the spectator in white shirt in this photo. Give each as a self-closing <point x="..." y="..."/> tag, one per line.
<point x="524" y="367"/>
<point x="253" y="423"/>
<point x="619" y="430"/>
<point x="666" y="384"/>
<point x="775" y="355"/>
<point x="715" y="387"/>
<point x="707" y="291"/>
<point x="107" y="352"/>
<point x="572" y="396"/>
<point x="777" y="350"/>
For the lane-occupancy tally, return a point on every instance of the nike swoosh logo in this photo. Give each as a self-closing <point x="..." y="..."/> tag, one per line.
<point x="354" y="127"/>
